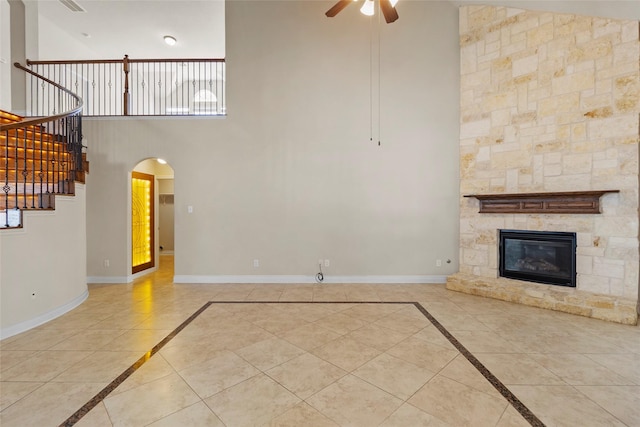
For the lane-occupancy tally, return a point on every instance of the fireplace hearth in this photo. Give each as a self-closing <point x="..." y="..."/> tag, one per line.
<point x="538" y="256"/>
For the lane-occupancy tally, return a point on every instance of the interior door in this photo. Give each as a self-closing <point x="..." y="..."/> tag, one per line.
<point x="142" y="222"/>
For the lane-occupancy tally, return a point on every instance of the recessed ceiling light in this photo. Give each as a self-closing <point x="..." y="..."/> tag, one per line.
<point x="170" y="40"/>
<point x="87" y="35"/>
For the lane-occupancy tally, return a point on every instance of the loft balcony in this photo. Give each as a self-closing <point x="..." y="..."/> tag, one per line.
<point x="132" y="87"/>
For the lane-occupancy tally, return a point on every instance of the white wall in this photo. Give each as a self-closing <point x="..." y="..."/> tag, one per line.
<point x="290" y="176"/>
<point x="5" y="57"/>
<point x="52" y="282"/>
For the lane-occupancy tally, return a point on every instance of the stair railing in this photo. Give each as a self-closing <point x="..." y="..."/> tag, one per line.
<point x="41" y="156"/>
<point x="138" y="87"/>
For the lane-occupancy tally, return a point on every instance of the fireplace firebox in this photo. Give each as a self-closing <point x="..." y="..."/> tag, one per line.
<point x="538" y="256"/>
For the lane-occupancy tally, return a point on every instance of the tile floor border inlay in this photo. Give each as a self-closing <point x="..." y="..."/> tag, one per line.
<point x="495" y="382"/>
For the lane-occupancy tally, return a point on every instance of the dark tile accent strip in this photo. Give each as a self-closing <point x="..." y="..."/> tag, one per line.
<point x="130" y="370"/>
<point x="504" y="391"/>
<point x="495" y="382"/>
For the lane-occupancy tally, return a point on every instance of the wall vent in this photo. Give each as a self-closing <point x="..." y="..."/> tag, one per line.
<point x="72" y="5"/>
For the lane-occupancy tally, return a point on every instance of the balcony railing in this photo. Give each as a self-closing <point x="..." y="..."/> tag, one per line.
<point x="134" y="87"/>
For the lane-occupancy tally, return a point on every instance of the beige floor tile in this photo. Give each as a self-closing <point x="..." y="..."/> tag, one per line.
<point x="136" y="340"/>
<point x="152" y="370"/>
<point x="99" y="367"/>
<point x="484" y="342"/>
<point x="89" y="340"/>
<point x="512" y="418"/>
<point x="340" y="323"/>
<point x="9" y="358"/>
<point x="309" y="336"/>
<point x="306" y="375"/>
<point x="253" y="402"/>
<point x="627" y="365"/>
<point x="97" y="417"/>
<point x="408" y="415"/>
<point x="578" y="369"/>
<point x="395" y="376"/>
<point x="297" y="295"/>
<point x="214" y="375"/>
<point x="44" y="366"/>
<point x="370" y="313"/>
<point x="433" y="335"/>
<point x="11" y="392"/>
<point x="378" y="337"/>
<point x="37" y="339"/>
<point x="404" y="324"/>
<point x="462" y="371"/>
<point x="266" y="354"/>
<point x="301" y="415"/>
<point x="514" y="368"/>
<point x="424" y="354"/>
<point x="188" y="354"/>
<point x="49" y="405"/>
<point x="150" y="402"/>
<point x="563" y="406"/>
<point x="197" y="414"/>
<point x="353" y="402"/>
<point x="346" y="353"/>
<point x="458" y="404"/>
<point x="622" y="402"/>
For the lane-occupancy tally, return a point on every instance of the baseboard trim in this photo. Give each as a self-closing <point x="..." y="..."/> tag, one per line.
<point x="107" y="279"/>
<point x="43" y="318"/>
<point x="286" y="279"/>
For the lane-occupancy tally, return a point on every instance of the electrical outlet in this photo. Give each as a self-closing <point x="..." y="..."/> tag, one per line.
<point x="327" y="263"/>
<point x="438" y="263"/>
<point x="106" y="263"/>
<point x="190" y="209"/>
<point x="33" y="295"/>
<point x="256" y="263"/>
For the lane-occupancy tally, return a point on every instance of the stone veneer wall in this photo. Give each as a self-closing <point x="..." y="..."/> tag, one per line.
<point x="551" y="102"/>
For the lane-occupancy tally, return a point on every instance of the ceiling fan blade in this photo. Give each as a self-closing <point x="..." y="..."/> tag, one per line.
<point x="337" y="8"/>
<point x="389" y="12"/>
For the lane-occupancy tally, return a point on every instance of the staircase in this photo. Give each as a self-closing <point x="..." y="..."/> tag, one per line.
<point x="37" y="164"/>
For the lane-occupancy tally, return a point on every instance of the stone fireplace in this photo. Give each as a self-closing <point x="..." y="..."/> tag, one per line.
<point x="550" y="104"/>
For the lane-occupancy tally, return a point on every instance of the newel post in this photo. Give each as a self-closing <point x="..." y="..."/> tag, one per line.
<point x="125" y="65"/>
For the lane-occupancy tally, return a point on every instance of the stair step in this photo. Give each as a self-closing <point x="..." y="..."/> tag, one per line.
<point x="10" y="116"/>
<point x="45" y="201"/>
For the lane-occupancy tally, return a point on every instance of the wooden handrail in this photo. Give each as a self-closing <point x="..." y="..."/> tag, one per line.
<point x="40" y="120"/>
<point x="119" y="61"/>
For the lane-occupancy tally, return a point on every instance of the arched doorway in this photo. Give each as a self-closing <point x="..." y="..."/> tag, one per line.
<point x="152" y="216"/>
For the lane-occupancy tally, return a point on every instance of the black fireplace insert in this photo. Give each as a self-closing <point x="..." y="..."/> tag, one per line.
<point x="538" y="256"/>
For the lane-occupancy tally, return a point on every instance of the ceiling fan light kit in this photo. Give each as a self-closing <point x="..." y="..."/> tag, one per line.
<point x="368" y="8"/>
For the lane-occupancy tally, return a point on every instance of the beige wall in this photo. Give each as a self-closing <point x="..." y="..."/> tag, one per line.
<point x="54" y="274"/>
<point x="290" y="176"/>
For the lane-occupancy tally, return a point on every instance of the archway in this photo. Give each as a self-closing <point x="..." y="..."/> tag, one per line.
<point x="152" y="216"/>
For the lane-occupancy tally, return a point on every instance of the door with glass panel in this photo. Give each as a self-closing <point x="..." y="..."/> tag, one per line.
<point x="142" y="218"/>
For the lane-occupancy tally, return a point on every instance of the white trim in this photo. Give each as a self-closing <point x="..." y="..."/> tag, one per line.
<point x="120" y="279"/>
<point x="43" y="318"/>
<point x="307" y="279"/>
<point x="107" y="279"/>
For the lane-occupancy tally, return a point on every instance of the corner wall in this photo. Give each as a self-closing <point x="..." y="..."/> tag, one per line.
<point x="551" y="102"/>
<point x="53" y="281"/>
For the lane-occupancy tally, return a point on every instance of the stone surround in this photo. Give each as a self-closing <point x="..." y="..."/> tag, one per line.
<point x="551" y="103"/>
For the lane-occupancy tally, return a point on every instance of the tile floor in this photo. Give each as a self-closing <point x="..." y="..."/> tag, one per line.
<point x="156" y="354"/>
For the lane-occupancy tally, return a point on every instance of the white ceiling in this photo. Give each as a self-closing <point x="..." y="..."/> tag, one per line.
<point x="136" y="27"/>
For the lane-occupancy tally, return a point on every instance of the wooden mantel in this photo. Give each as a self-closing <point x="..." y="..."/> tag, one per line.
<point x="570" y="202"/>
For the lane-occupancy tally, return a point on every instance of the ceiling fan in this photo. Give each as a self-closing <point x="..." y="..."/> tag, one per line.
<point x="387" y="7"/>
